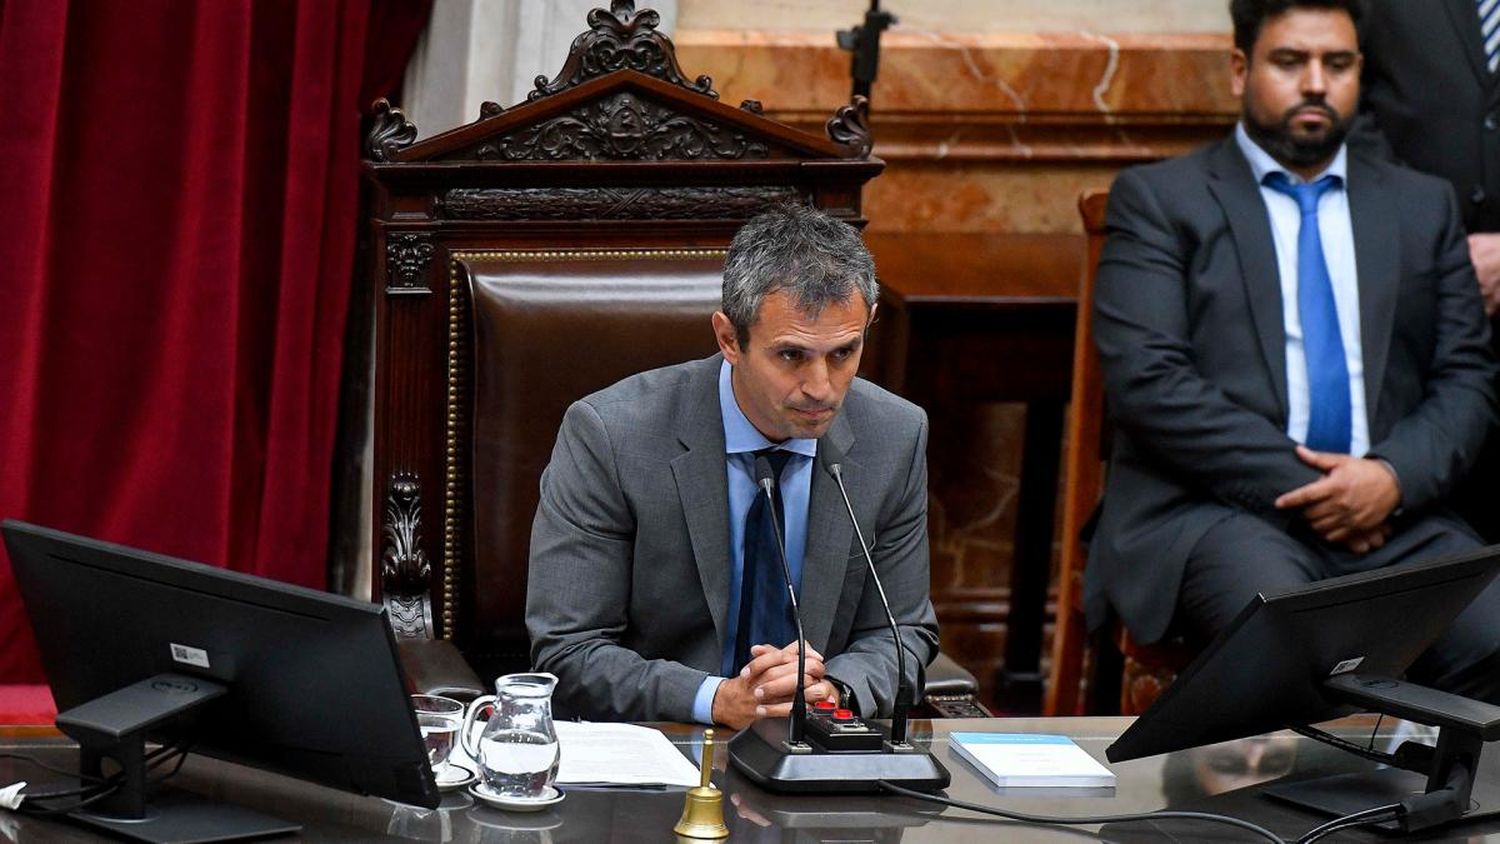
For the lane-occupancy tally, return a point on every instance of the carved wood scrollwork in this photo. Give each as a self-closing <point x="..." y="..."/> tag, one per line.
<point x="404" y="571"/>
<point x="407" y="256"/>
<point x="390" y="132"/>
<point x="850" y="126"/>
<point x="622" y="126"/>
<point x="675" y="203"/>
<point x="621" y="39"/>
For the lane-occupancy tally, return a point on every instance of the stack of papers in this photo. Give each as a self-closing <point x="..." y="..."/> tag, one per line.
<point x="1028" y="760"/>
<point x="612" y="755"/>
<point x="601" y="755"/>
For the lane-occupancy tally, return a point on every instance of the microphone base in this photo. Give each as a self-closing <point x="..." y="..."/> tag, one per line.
<point x="759" y="752"/>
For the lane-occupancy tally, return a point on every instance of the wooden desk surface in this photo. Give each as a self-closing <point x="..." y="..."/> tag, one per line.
<point x="1190" y="779"/>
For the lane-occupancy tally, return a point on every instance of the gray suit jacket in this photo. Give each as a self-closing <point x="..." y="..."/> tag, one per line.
<point x="629" y="590"/>
<point x="1188" y="323"/>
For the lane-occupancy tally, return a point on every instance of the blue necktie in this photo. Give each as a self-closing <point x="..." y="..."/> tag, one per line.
<point x="765" y="613"/>
<point x="1328" y="423"/>
<point x="1489" y="31"/>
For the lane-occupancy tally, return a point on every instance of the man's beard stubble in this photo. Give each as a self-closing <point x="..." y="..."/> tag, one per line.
<point x="1291" y="150"/>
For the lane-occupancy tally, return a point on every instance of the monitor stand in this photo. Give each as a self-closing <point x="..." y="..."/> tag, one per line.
<point x="1346" y="794"/>
<point x="1433" y="785"/>
<point x="111" y="734"/>
<point x="177" y="817"/>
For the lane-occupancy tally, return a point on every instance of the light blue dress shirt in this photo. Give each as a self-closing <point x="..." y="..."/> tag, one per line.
<point x="741" y="441"/>
<point x="1337" y="233"/>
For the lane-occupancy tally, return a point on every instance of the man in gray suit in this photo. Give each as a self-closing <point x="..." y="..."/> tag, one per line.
<point x="1295" y="355"/>
<point x="656" y="592"/>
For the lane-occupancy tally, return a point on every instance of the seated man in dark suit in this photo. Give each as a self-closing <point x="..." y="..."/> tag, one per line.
<point x="1295" y="355"/>
<point x="656" y="590"/>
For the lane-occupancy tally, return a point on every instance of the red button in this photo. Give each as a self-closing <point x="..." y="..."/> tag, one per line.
<point x="843" y="715"/>
<point x="823" y="705"/>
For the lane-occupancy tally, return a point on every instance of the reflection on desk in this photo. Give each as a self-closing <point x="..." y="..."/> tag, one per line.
<point x="1221" y="778"/>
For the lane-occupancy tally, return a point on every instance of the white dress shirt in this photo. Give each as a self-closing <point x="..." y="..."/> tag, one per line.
<point x="1337" y="233"/>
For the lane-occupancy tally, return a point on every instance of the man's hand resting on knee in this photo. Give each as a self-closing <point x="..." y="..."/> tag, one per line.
<point x="766" y="685"/>
<point x="1351" y="503"/>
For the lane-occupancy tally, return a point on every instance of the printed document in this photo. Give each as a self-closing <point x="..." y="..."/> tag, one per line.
<point x="620" y="755"/>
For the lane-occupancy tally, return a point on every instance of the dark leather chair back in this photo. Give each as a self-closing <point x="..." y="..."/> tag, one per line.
<point x="545" y="335"/>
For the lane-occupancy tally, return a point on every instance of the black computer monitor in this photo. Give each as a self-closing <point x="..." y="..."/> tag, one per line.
<point x="142" y="647"/>
<point x="1328" y="649"/>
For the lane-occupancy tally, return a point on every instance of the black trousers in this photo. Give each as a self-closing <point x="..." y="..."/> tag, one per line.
<point x="1245" y="555"/>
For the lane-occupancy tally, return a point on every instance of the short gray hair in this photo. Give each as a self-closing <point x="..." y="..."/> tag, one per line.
<point x="816" y="259"/>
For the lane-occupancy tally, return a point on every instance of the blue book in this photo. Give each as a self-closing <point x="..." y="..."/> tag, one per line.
<point x="1026" y="760"/>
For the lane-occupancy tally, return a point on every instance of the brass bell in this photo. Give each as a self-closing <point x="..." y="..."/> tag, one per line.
<point x="703" y="813"/>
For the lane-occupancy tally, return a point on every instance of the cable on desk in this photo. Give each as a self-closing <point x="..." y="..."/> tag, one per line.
<point x="153" y="759"/>
<point x="39" y="763"/>
<point x="1024" y="817"/>
<point x="1345" y="745"/>
<point x="97" y="791"/>
<point x="48" y="811"/>
<point x="1380" y="719"/>
<point x="1377" y="814"/>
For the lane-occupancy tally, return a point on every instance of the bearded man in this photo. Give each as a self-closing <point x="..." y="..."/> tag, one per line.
<point x="1295" y="357"/>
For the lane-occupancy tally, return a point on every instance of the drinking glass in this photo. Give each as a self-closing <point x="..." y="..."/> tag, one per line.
<point x="439" y="719"/>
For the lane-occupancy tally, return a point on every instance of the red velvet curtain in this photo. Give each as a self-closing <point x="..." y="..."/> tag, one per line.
<point x="178" y="200"/>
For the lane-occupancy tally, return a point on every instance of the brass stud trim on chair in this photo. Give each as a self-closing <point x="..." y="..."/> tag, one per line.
<point x="458" y="308"/>
<point x="450" y="452"/>
<point x="521" y="256"/>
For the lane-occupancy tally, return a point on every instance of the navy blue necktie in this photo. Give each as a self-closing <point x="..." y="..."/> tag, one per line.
<point x="765" y="612"/>
<point x="1329" y="414"/>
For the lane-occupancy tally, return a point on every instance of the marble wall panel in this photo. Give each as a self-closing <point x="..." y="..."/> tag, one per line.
<point x="1069" y="77"/>
<point x="963" y="15"/>
<point x="989" y="131"/>
<point x="976" y="196"/>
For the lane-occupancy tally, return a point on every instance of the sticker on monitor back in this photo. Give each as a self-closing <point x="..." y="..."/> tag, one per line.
<point x="189" y="656"/>
<point x="1345" y="666"/>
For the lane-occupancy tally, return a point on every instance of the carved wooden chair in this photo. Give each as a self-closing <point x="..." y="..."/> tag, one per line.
<point x="527" y="259"/>
<point x="1093" y="677"/>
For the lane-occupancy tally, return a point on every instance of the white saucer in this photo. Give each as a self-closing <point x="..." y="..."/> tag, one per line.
<point x="453" y="776"/>
<point x="484" y="794"/>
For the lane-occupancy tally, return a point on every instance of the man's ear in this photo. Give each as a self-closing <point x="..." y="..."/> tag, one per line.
<point x="1239" y="67"/>
<point x="728" y="340"/>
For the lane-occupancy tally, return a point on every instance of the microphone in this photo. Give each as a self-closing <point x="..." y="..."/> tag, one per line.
<point x="832" y="752"/>
<point x="765" y="478"/>
<point x="899" y="714"/>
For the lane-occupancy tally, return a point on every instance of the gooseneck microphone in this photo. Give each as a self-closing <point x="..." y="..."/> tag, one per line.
<point x="765" y="478"/>
<point x="899" y="713"/>
<point x="831" y="750"/>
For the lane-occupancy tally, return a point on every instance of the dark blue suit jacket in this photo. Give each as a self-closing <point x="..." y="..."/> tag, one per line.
<point x="1430" y="93"/>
